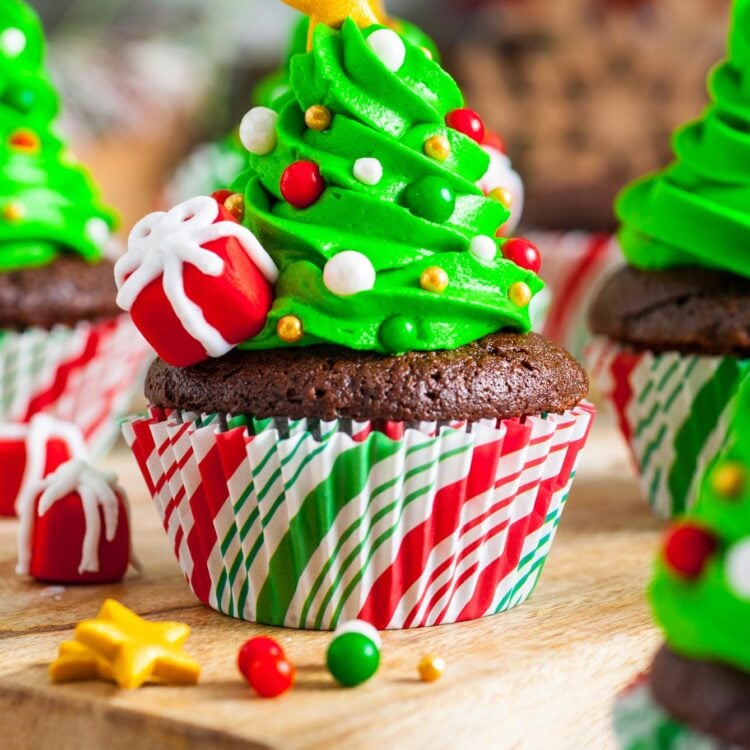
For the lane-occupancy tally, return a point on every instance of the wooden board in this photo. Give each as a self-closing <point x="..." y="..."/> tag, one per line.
<point x="541" y="676"/>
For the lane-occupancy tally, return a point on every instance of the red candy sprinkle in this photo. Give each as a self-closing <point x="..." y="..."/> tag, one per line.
<point x="468" y="122"/>
<point x="302" y="184"/>
<point x="25" y="140"/>
<point x="687" y="549"/>
<point x="270" y="677"/>
<point x="220" y="196"/>
<point x="255" y="649"/>
<point x="523" y="253"/>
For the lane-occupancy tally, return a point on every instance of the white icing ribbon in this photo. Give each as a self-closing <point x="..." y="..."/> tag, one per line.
<point x="163" y="242"/>
<point x="37" y="434"/>
<point x="97" y="489"/>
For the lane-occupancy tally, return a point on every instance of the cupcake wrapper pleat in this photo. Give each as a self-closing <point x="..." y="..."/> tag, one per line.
<point x="674" y="411"/>
<point x="307" y="523"/>
<point x="86" y="374"/>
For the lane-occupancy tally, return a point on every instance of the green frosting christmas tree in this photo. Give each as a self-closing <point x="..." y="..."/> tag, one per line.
<point x="697" y="212"/>
<point x="700" y="593"/>
<point x="48" y="204"/>
<point x="362" y="187"/>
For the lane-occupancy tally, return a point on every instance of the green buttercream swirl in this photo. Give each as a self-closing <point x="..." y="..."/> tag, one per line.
<point x="697" y="211"/>
<point x="389" y="116"/>
<point x="48" y="204"/>
<point x="706" y="619"/>
<point x="277" y="85"/>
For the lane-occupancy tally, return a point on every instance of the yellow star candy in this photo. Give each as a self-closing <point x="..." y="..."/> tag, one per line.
<point x="334" y="12"/>
<point x="121" y="647"/>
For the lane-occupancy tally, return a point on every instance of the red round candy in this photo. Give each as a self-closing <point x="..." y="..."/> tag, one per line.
<point x="302" y="184"/>
<point x="257" y="648"/>
<point x="523" y="253"/>
<point x="220" y="196"/>
<point x="468" y="122"/>
<point x="270" y="677"/>
<point x="687" y="549"/>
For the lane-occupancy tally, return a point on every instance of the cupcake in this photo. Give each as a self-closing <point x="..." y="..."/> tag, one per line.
<point x="674" y="324"/>
<point x="697" y="691"/>
<point x="349" y="418"/>
<point x="66" y="350"/>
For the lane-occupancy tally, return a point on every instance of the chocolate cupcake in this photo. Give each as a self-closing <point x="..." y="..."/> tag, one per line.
<point x="697" y="690"/>
<point x="349" y="417"/>
<point x="65" y="348"/>
<point x="674" y="325"/>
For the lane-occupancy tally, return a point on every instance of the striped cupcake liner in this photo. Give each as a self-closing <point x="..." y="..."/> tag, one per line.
<point x="85" y="374"/>
<point x="641" y="724"/>
<point x="674" y="411"/>
<point x="307" y="524"/>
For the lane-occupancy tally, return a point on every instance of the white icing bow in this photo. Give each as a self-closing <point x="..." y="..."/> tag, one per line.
<point x="97" y="489"/>
<point x="161" y="243"/>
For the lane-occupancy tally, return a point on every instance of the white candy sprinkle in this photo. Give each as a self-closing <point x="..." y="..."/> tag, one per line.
<point x="97" y="230"/>
<point x="389" y="48"/>
<point x="738" y="568"/>
<point x="258" y="130"/>
<point x="12" y="42"/>
<point x="349" y="273"/>
<point x="483" y="247"/>
<point x="368" y="171"/>
<point x="362" y="627"/>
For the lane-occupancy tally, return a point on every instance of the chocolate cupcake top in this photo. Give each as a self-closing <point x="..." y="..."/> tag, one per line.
<point x="689" y="310"/>
<point x="64" y="292"/>
<point x="502" y="375"/>
<point x="48" y="204"/>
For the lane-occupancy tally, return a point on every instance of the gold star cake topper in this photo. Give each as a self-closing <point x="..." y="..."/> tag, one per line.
<point x="118" y="646"/>
<point x="334" y="12"/>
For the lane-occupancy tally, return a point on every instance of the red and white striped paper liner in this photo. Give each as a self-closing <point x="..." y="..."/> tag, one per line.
<point x="307" y="525"/>
<point x="85" y="374"/>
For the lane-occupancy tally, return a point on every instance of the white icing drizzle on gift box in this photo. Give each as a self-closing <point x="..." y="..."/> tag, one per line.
<point x="37" y="435"/>
<point x="163" y="242"/>
<point x="96" y="488"/>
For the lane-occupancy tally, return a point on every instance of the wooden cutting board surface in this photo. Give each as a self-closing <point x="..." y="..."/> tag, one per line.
<point x="542" y="676"/>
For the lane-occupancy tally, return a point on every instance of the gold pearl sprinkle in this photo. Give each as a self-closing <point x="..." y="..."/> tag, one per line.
<point x="520" y="294"/>
<point x="289" y="329"/>
<point x="431" y="668"/>
<point x="14" y="211"/>
<point x="318" y="117"/>
<point x="728" y="480"/>
<point x="437" y="147"/>
<point x="434" y="279"/>
<point x="501" y="195"/>
<point x="235" y="204"/>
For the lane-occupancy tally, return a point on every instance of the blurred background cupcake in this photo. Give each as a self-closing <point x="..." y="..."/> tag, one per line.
<point x="696" y="692"/>
<point x="65" y="350"/>
<point x="674" y="324"/>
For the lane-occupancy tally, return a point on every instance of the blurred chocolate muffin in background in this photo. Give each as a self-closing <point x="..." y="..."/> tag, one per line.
<point x="585" y="92"/>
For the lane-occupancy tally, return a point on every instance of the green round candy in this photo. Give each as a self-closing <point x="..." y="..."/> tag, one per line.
<point x="21" y="98"/>
<point x="431" y="198"/>
<point x="352" y="658"/>
<point x="398" y="334"/>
